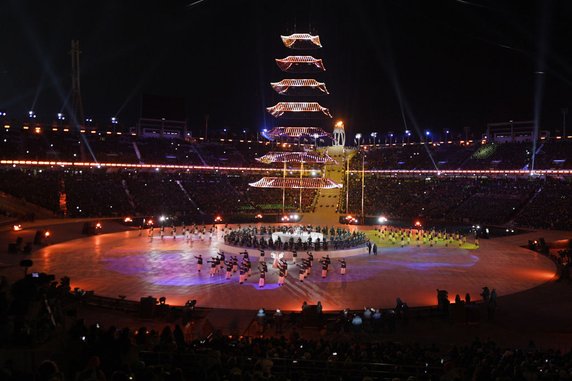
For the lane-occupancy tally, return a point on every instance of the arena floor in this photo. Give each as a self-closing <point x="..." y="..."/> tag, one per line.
<point x="127" y="264"/>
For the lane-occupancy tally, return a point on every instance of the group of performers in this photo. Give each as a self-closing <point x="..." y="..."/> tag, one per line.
<point x="189" y="233"/>
<point x="219" y="263"/>
<point x="407" y="236"/>
<point x="261" y="238"/>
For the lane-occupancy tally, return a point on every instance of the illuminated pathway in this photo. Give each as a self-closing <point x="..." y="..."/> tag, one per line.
<point x="126" y="264"/>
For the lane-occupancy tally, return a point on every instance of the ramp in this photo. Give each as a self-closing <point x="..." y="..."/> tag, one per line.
<point x="328" y="201"/>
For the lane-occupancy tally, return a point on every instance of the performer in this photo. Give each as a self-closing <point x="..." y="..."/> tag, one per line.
<point x="308" y="266"/>
<point x="162" y="232"/>
<point x="284" y="266"/>
<point x="217" y="264"/>
<point x="174" y="231"/>
<point x="222" y="259"/>
<point x="199" y="262"/>
<point x="310" y="262"/>
<point x="343" y="266"/>
<point x="281" y="276"/>
<point x="248" y="265"/>
<point x="262" y="279"/>
<point x="213" y="267"/>
<point x="228" y="268"/>
<point x="324" y="268"/>
<point x="234" y="264"/>
<point x="294" y="256"/>
<point x="302" y="273"/>
<point x="242" y="276"/>
<point x="150" y="232"/>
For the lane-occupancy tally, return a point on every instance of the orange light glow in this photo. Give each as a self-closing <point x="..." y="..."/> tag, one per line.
<point x="17" y="228"/>
<point x="98" y="225"/>
<point x="47" y="233"/>
<point x="218" y="219"/>
<point x="128" y="219"/>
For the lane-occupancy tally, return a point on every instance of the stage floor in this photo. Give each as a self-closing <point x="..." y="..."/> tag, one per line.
<point x="126" y="264"/>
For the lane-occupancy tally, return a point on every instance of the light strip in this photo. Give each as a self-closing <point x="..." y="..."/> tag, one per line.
<point x="257" y="169"/>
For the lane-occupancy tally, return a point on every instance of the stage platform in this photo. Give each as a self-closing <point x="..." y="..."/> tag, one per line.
<point x="125" y="263"/>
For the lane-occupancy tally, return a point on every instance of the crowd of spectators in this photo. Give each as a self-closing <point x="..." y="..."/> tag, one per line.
<point x="278" y="351"/>
<point x="195" y="196"/>
<point x="199" y="196"/>
<point x="536" y="203"/>
<point x="549" y="208"/>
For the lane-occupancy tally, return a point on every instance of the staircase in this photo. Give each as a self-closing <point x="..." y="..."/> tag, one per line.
<point x="329" y="200"/>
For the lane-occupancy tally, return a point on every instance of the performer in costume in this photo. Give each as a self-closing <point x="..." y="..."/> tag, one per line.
<point x="262" y="279"/>
<point x="228" y="268"/>
<point x="343" y="266"/>
<point x="199" y="262"/>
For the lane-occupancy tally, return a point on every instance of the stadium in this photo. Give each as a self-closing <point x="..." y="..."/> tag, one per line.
<point x="164" y="250"/>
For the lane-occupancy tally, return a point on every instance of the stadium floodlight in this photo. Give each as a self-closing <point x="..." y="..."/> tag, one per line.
<point x="382" y="219"/>
<point x="114" y="120"/>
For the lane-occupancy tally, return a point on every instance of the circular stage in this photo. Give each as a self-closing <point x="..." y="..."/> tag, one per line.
<point x="136" y="266"/>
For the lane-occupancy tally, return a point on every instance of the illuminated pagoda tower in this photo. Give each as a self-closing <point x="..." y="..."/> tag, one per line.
<point x="303" y="111"/>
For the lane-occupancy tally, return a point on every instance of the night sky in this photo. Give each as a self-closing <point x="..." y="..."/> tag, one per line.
<point x="452" y="63"/>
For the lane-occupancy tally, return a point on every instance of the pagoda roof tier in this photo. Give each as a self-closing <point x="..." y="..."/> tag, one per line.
<point x="295" y="132"/>
<point x="299" y="87"/>
<point x="295" y="183"/>
<point x="301" y="41"/>
<point x="300" y="64"/>
<point x="298" y="110"/>
<point x="295" y="157"/>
